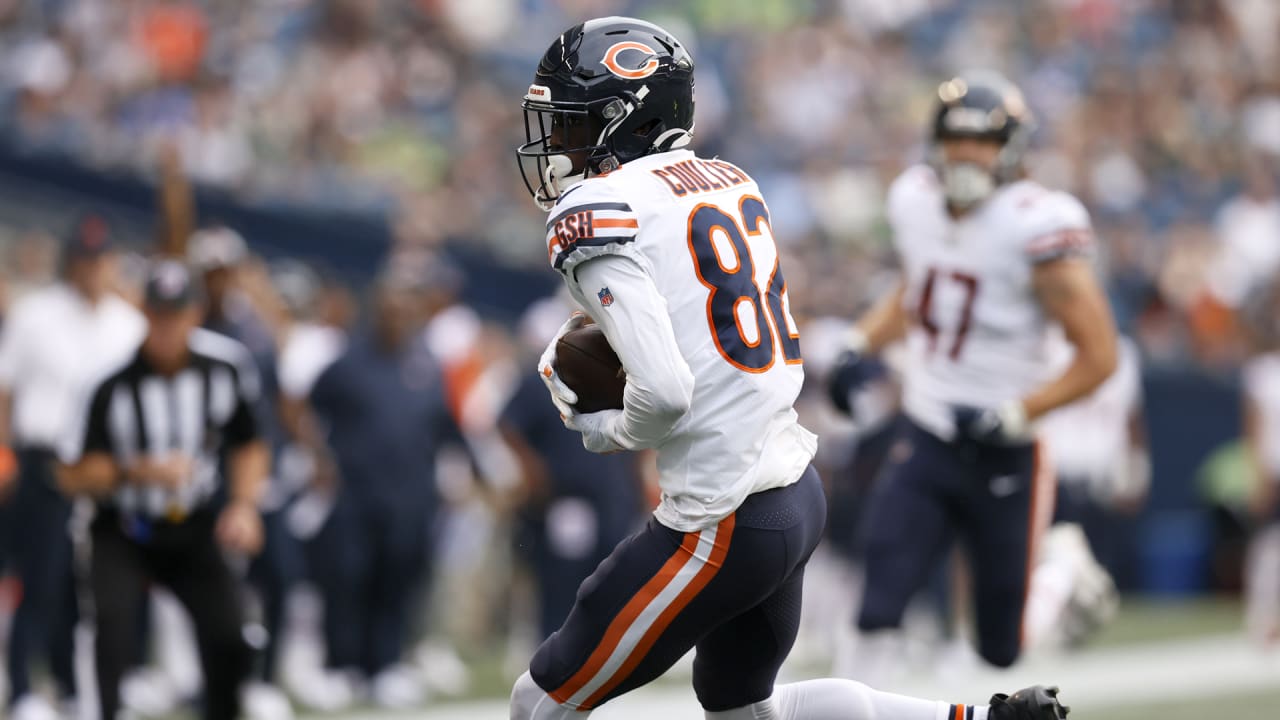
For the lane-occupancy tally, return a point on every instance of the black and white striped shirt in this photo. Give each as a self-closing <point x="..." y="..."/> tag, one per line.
<point x="202" y="411"/>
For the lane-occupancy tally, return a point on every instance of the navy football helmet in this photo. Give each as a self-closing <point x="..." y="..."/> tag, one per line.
<point x="607" y="91"/>
<point x="985" y="106"/>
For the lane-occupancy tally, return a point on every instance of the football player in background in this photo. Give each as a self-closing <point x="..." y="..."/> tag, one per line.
<point x="991" y="262"/>
<point x="673" y="256"/>
<point x="1260" y="378"/>
<point x="1100" y="458"/>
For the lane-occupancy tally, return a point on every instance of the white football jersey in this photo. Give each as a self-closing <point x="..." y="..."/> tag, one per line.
<point x="1089" y="440"/>
<point x="1261" y="376"/>
<point x="978" y="336"/>
<point x="701" y="230"/>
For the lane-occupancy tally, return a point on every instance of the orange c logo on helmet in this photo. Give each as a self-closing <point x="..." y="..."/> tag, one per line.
<point x="650" y="65"/>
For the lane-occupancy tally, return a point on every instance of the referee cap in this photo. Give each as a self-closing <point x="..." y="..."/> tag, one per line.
<point x="170" y="286"/>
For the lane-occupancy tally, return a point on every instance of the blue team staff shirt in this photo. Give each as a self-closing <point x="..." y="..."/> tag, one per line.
<point x="387" y="417"/>
<point x="605" y="480"/>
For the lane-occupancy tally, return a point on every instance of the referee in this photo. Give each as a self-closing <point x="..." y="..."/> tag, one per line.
<point x="157" y="432"/>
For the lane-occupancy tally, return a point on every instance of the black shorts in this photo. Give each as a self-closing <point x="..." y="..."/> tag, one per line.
<point x="732" y="591"/>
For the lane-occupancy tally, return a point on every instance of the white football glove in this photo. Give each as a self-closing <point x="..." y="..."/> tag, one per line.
<point x="1006" y="424"/>
<point x="563" y="398"/>
<point x="595" y="430"/>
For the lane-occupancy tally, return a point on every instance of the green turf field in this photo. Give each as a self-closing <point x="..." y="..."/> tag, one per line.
<point x="1261" y="706"/>
<point x="1159" y="660"/>
<point x="1148" y="620"/>
<point x="1165" y="660"/>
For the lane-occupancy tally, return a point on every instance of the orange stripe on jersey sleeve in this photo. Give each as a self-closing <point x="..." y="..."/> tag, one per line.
<point x="605" y="223"/>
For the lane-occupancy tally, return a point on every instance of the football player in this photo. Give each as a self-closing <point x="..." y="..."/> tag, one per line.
<point x="1260" y="384"/>
<point x="1103" y="470"/>
<point x="673" y="256"/>
<point x="991" y="262"/>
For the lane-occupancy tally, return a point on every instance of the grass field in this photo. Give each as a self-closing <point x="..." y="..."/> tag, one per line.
<point x="1184" y="660"/>
<point x="1154" y="623"/>
<point x="1235" y="706"/>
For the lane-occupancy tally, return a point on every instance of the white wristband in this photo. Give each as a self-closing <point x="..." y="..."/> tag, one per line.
<point x="856" y="340"/>
<point x="1013" y="416"/>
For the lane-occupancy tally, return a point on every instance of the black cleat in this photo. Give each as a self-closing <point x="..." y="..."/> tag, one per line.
<point x="1034" y="703"/>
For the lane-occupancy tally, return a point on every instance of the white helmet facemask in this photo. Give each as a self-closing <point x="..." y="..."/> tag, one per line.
<point x="966" y="184"/>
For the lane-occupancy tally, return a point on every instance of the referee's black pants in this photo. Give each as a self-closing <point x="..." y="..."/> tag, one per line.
<point x="40" y="543"/>
<point x="185" y="558"/>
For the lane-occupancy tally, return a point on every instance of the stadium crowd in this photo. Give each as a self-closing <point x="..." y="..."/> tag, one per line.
<point x="1157" y="113"/>
<point x="1162" y="115"/>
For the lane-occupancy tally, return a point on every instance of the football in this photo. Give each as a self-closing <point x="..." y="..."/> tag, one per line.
<point x="587" y="364"/>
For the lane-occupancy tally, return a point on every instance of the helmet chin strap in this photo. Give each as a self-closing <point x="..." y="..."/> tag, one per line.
<point x="966" y="184"/>
<point x="673" y="139"/>
<point x="557" y="179"/>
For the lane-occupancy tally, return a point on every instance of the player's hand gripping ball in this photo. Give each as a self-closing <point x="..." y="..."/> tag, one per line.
<point x="588" y="365"/>
<point x="579" y="360"/>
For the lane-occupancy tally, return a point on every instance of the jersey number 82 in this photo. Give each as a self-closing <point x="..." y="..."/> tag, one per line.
<point x="746" y="320"/>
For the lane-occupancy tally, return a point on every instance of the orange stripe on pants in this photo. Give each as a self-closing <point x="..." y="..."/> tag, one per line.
<point x="1044" y="483"/>
<point x="724" y="535"/>
<point x="629" y="613"/>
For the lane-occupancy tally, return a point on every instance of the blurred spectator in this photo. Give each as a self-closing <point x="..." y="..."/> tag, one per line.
<point x="314" y="335"/>
<point x="1247" y="257"/>
<point x="1148" y="111"/>
<point x="222" y="258"/>
<point x="173" y="35"/>
<point x="383" y="406"/>
<point x="32" y="263"/>
<point x="577" y="505"/>
<point x="56" y="342"/>
<point x="321" y="312"/>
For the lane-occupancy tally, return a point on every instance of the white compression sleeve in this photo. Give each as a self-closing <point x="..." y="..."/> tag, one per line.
<point x="530" y="702"/>
<point x="659" y="381"/>
<point x="831" y="699"/>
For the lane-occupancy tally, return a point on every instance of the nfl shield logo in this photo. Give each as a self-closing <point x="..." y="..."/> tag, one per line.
<point x="606" y="297"/>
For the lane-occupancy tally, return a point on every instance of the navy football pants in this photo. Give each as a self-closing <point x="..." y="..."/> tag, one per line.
<point x="44" y="623"/>
<point x="371" y="561"/>
<point x="933" y="493"/>
<point x="731" y="591"/>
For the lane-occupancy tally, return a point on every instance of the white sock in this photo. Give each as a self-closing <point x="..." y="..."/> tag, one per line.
<point x="877" y="658"/>
<point x="832" y="699"/>
<point x="530" y="702"/>
<point x="1047" y="599"/>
